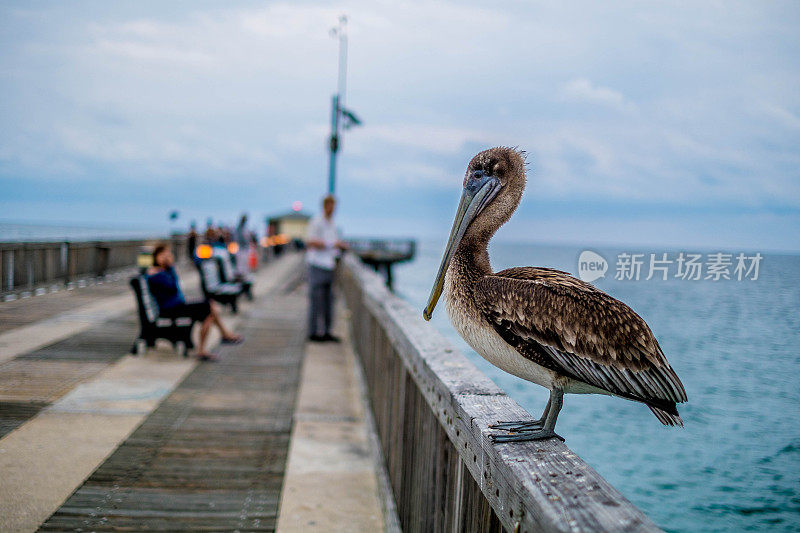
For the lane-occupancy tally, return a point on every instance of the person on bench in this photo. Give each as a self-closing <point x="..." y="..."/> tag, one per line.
<point x="163" y="281"/>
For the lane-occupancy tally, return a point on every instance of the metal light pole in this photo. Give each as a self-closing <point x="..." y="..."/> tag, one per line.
<point x="338" y="99"/>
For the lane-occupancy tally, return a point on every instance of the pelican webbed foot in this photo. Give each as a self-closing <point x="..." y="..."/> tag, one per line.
<point x="523" y="430"/>
<point x="518" y="425"/>
<point x="522" y="436"/>
<point x="524" y="425"/>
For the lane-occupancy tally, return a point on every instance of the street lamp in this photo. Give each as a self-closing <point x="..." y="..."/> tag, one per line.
<point x="340" y="116"/>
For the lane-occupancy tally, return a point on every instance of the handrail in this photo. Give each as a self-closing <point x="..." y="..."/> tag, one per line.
<point x="27" y="265"/>
<point x="432" y="408"/>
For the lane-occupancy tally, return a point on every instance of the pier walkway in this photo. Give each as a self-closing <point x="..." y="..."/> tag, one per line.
<point x="388" y="429"/>
<point x="93" y="439"/>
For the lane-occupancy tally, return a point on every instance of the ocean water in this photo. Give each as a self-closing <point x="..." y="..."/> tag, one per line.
<point x="20" y="232"/>
<point x="735" y="466"/>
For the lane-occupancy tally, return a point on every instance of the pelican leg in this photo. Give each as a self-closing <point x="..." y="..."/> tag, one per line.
<point x="522" y="425"/>
<point x="546" y="431"/>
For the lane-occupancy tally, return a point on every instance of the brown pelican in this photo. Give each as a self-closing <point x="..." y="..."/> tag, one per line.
<point x="541" y="324"/>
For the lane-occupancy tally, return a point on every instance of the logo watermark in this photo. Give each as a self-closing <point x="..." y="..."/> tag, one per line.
<point x="591" y="266"/>
<point x="676" y="265"/>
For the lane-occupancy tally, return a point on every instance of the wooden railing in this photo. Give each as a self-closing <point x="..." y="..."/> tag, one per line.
<point x="27" y="265"/>
<point x="432" y="408"/>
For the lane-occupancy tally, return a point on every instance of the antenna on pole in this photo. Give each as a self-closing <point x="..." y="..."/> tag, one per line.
<point x="339" y="113"/>
<point x="341" y="31"/>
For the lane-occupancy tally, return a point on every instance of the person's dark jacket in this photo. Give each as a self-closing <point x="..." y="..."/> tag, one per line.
<point x="165" y="288"/>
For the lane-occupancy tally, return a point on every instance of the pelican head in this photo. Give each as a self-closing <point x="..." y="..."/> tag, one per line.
<point x="493" y="188"/>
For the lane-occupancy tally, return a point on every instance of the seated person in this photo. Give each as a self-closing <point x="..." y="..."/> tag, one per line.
<point x="163" y="282"/>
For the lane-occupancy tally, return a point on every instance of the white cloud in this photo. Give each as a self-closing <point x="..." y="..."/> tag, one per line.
<point x="582" y="90"/>
<point x="155" y="53"/>
<point x="159" y="153"/>
<point x="429" y="138"/>
<point x="782" y="115"/>
<point x="399" y="175"/>
<point x="652" y="103"/>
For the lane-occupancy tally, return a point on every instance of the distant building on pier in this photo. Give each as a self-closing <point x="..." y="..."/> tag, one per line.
<point x="292" y="224"/>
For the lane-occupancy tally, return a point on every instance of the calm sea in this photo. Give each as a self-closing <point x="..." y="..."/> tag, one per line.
<point x="14" y="232"/>
<point x="736" y="464"/>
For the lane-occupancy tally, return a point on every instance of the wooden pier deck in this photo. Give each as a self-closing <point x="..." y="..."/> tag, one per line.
<point x="50" y="343"/>
<point x="212" y="455"/>
<point x="94" y="439"/>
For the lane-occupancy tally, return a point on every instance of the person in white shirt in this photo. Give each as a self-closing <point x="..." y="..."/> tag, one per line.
<point x="242" y="236"/>
<point x="324" y="247"/>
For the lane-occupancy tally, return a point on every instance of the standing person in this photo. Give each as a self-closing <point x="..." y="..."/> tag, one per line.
<point x="163" y="282"/>
<point x="242" y="237"/>
<point x="191" y="242"/>
<point x="252" y="259"/>
<point x="223" y="236"/>
<point x="210" y="233"/>
<point x="324" y="247"/>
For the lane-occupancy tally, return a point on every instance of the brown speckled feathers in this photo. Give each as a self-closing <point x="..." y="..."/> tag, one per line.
<point x="570" y="326"/>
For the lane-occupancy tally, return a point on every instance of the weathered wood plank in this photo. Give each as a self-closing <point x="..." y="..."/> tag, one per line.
<point x="212" y="456"/>
<point x="533" y="486"/>
<point x="14" y="414"/>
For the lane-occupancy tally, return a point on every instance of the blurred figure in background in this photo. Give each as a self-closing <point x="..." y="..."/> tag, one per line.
<point x="223" y="236"/>
<point x="210" y="234"/>
<point x="163" y="282"/>
<point x="242" y="236"/>
<point x="252" y="260"/>
<point x="324" y="247"/>
<point x="191" y="242"/>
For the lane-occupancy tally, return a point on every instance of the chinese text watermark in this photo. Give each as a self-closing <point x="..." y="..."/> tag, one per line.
<point x="676" y="265"/>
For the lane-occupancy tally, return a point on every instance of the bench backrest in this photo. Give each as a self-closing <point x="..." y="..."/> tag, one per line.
<point x="228" y="271"/>
<point x="209" y="274"/>
<point x="148" y="307"/>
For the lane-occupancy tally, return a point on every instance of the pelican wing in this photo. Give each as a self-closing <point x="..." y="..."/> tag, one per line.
<point x="569" y="326"/>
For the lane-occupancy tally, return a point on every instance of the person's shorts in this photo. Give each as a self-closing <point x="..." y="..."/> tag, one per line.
<point x="198" y="311"/>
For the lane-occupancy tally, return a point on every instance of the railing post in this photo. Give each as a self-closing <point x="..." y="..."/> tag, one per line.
<point x="177" y="249"/>
<point x="64" y="261"/>
<point x="10" y="270"/>
<point x="72" y="264"/>
<point x="28" y="261"/>
<point x="101" y="254"/>
<point x="49" y="264"/>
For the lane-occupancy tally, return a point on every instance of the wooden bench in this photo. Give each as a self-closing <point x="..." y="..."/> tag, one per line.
<point x="214" y="288"/>
<point x="177" y="330"/>
<point x="229" y="273"/>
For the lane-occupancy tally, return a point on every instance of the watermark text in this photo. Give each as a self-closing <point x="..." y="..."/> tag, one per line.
<point x="672" y="265"/>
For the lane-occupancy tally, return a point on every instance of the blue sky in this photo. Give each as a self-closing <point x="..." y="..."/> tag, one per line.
<point x="664" y="124"/>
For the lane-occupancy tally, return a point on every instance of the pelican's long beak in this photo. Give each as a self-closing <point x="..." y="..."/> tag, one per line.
<point x="478" y="191"/>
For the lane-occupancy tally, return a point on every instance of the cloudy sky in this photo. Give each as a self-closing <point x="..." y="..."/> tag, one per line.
<point x="655" y="123"/>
